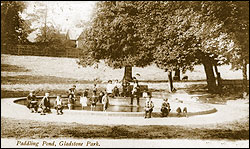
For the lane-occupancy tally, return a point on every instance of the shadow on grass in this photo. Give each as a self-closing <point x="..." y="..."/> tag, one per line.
<point x="29" y="79"/>
<point x="13" y="68"/>
<point x="228" y="93"/>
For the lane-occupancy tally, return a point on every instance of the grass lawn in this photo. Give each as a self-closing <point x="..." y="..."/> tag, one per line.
<point x="29" y="79"/>
<point x="12" y="68"/>
<point x="12" y="128"/>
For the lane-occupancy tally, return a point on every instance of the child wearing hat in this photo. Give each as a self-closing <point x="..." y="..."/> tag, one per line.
<point x="32" y="102"/>
<point x="165" y="108"/>
<point x="71" y="97"/>
<point x="45" y="104"/>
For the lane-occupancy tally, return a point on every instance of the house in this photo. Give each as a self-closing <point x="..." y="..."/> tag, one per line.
<point x="72" y="36"/>
<point x="80" y="41"/>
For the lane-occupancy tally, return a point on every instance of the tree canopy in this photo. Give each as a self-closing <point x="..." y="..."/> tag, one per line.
<point x="130" y="33"/>
<point x="172" y="34"/>
<point x="115" y="36"/>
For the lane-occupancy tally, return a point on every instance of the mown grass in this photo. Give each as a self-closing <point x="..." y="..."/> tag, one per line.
<point x="29" y="79"/>
<point x="13" y="68"/>
<point x="12" y="128"/>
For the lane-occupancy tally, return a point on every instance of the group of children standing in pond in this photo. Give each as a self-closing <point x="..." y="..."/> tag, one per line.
<point x="45" y="105"/>
<point x="103" y="97"/>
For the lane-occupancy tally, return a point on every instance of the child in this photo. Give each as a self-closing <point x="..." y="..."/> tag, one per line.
<point x="185" y="111"/>
<point x="149" y="105"/>
<point x="72" y="90"/>
<point x="116" y="89"/>
<point x="59" y="105"/>
<point x="71" y="97"/>
<point x="105" y="101"/>
<point x="144" y="94"/>
<point x="178" y="110"/>
<point x="125" y="88"/>
<point x="45" y="104"/>
<point x="100" y="96"/>
<point x="165" y="108"/>
<point x="94" y="100"/>
<point x="95" y="89"/>
<point x="83" y="99"/>
<point x="109" y="88"/>
<point x="135" y="93"/>
<point x="32" y="102"/>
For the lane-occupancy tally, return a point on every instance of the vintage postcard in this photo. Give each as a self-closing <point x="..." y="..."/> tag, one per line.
<point x="124" y="74"/>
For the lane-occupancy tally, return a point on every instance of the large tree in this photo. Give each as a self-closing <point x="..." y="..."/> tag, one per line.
<point x="174" y="35"/>
<point x="14" y="29"/>
<point x="233" y="18"/>
<point x="184" y="34"/>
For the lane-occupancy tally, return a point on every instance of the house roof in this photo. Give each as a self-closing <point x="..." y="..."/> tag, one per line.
<point x="73" y="34"/>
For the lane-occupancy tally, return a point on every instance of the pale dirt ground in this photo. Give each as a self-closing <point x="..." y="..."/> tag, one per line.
<point x="233" y="110"/>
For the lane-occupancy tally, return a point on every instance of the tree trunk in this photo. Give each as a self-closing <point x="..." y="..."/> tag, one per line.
<point x="244" y="73"/>
<point x="128" y="73"/>
<point x="170" y="81"/>
<point x="208" y="66"/>
<point x="177" y="75"/>
<point x="218" y="77"/>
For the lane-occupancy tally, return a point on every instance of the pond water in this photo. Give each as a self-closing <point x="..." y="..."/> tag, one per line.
<point x="99" y="107"/>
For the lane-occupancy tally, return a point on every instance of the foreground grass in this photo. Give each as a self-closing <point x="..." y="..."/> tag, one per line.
<point x="12" y="128"/>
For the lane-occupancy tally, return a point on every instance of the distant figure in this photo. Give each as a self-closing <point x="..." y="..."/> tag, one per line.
<point x="71" y="97"/>
<point x="135" y="93"/>
<point x="149" y="105"/>
<point x="95" y="90"/>
<point x="125" y="88"/>
<point x="32" y="102"/>
<point x="144" y="94"/>
<point x="185" y="111"/>
<point x="116" y="89"/>
<point x="165" y="108"/>
<point x="59" y="105"/>
<point x="72" y="90"/>
<point x="84" y="99"/>
<point x="185" y="78"/>
<point x="93" y="101"/>
<point x="178" y="110"/>
<point x="45" y="104"/>
<point x="101" y="94"/>
<point x="176" y="78"/>
<point x="105" y="101"/>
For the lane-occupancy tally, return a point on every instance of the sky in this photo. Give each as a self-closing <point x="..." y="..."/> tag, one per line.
<point x="62" y="14"/>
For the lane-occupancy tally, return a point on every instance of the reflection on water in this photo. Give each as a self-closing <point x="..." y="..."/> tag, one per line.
<point x="99" y="107"/>
<point x="111" y="108"/>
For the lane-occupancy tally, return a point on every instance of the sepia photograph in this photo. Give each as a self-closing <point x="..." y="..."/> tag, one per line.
<point x="124" y="74"/>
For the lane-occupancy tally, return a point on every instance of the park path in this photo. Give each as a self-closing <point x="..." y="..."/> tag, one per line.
<point x="232" y="110"/>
